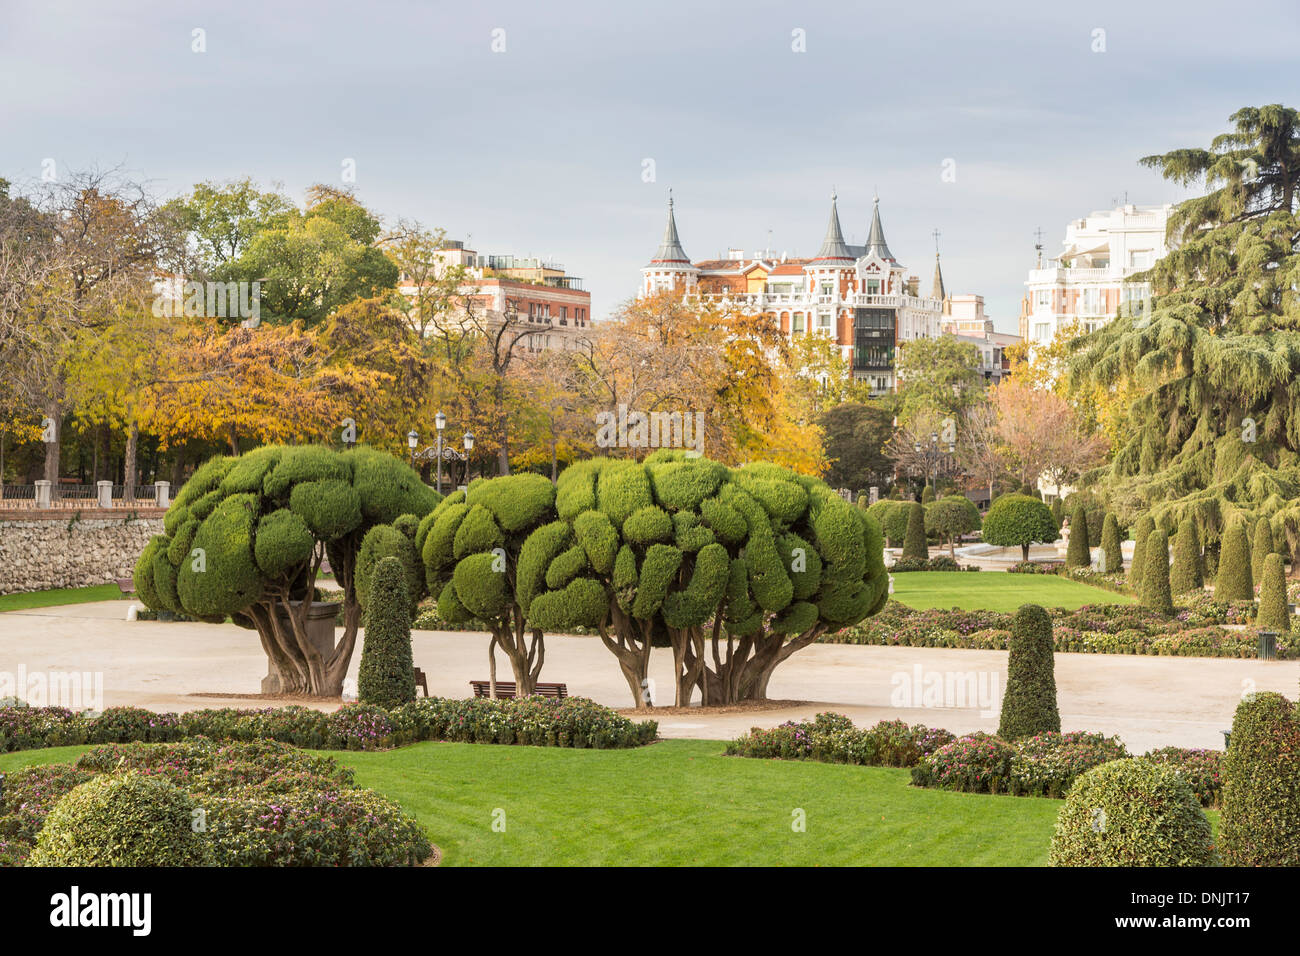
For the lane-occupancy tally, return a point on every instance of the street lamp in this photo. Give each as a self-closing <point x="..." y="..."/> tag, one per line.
<point x="469" y="446"/>
<point x="412" y="439"/>
<point x="440" y="422"/>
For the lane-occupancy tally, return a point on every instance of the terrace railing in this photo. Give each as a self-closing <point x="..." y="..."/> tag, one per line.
<point x="45" y="496"/>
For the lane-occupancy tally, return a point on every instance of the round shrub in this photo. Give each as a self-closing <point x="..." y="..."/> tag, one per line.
<point x="1132" y="813"/>
<point x="386" y="676"/>
<point x="894" y="525"/>
<point x="124" y="819"/>
<point x="1077" y="554"/>
<point x="1235" y="582"/>
<point x="1155" y="573"/>
<point x="1019" y="520"/>
<point x="1273" y="614"/>
<point x="914" y="544"/>
<point x="1188" y="574"/>
<point x="1260" y="822"/>
<point x="1029" y="703"/>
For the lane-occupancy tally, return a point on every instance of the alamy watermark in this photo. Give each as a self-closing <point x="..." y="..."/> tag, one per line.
<point x="76" y="690"/>
<point x="624" y="429"/>
<point x="958" y="689"/>
<point x="212" y="300"/>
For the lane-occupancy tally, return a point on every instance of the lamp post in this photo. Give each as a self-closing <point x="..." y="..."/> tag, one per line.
<point x="469" y="446"/>
<point x="412" y="439"/>
<point x="440" y="422"/>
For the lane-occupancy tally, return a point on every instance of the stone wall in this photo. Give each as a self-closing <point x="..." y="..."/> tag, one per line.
<point x="72" y="549"/>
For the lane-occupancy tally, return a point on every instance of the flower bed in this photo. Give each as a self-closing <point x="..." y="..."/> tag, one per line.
<point x="263" y="804"/>
<point x="832" y="738"/>
<point x="1195" y="631"/>
<point x="543" y="722"/>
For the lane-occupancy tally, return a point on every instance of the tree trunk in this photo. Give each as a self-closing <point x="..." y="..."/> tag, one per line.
<point x="633" y="658"/>
<point x="129" y="469"/>
<point x="492" y="667"/>
<point x="1024" y="552"/>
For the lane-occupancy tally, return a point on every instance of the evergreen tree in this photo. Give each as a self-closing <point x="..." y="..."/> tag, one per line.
<point x="1058" y="511"/>
<point x="1155" y="573"/>
<point x="1273" y="613"/>
<point x="1234" y="582"/>
<point x="914" y="543"/>
<point x="1078" y="554"/>
<point x="386" y="676"/>
<point x="1145" y="526"/>
<point x="1112" y="553"/>
<point x="1262" y="549"/>
<point x="1188" y="575"/>
<point x="1029" y="704"/>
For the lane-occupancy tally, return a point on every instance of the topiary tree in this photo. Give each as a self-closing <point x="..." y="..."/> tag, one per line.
<point x="1155" y="573"/>
<point x="1112" y="555"/>
<point x="927" y="494"/>
<point x="950" y="517"/>
<point x="1259" y="823"/>
<point x="1273" y="614"/>
<point x="914" y="543"/>
<point x="1078" y="554"/>
<point x="1018" y="520"/>
<point x="246" y="538"/>
<point x="1234" y="581"/>
<point x="733" y="569"/>
<point x="127" y="819"/>
<point x="1132" y="812"/>
<point x="1188" y="574"/>
<point x="1029" y="704"/>
<point x="895" y="524"/>
<point x="1263" y="547"/>
<point x="386" y="676"/>
<point x="1058" y="511"/>
<point x="396" y="540"/>
<point x="486" y="554"/>
<point x="1145" y="525"/>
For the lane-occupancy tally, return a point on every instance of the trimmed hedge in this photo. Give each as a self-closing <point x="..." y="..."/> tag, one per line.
<point x="1155" y="574"/>
<point x="1260" y="824"/>
<point x="1188" y="573"/>
<point x="1234" y="580"/>
<point x="1077" y="553"/>
<point x="1273" y="612"/>
<point x="1145" y="525"/>
<point x="1029" y="703"/>
<point x="832" y="738"/>
<point x="1112" y="553"/>
<point x="386" y="675"/>
<point x="914" y="542"/>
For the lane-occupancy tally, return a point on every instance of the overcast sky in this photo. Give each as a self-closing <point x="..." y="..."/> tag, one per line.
<point x="540" y="149"/>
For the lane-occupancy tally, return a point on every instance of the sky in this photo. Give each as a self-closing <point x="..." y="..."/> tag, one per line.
<point x="556" y="129"/>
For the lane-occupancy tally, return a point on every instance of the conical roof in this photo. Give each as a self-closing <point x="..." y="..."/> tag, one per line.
<point x="834" y="247"/>
<point x="938" y="292"/>
<point x="876" y="245"/>
<point x="670" y="250"/>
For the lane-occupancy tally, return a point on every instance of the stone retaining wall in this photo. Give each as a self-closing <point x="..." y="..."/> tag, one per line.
<point x="72" y="550"/>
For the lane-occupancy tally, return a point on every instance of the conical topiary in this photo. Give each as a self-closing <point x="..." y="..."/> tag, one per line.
<point x="1143" y="531"/>
<point x="1029" y="704"/>
<point x="914" y="545"/>
<point x="1078" y="554"/>
<point x="1272" y="615"/>
<point x="1188" y="575"/>
<point x="1155" y="573"/>
<point x="1234" y="582"/>
<point x="1111" y="555"/>
<point x="1263" y="547"/>
<point x="1259" y="824"/>
<point x="386" y="676"/>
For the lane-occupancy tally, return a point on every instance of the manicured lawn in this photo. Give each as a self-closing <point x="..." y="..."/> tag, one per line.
<point x="30" y="599"/>
<point x="996" y="591"/>
<point x="680" y="802"/>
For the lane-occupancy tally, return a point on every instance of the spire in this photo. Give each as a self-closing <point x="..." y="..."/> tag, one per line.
<point x="670" y="250"/>
<point x="834" y="246"/>
<point x="876" y="241"/>
<point x="938" y="292"/>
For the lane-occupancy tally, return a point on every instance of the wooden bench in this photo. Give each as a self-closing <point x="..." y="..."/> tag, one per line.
<point x="421" y="681"/>
<point x="125" y="585"/>
<point x="506" y="688"/>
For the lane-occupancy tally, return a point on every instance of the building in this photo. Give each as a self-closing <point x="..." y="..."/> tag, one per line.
<point x="1088" y="281"/>
<point x="860" y="296"/>
<point x="963" y="317"/>
<point x="535" y="291"/>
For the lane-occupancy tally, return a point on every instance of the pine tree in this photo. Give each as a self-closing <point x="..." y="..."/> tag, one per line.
<point x="1112" y="553"/>
<point x="1145" y="526"/>
<point x="1262" y="549"/>
<point x="386" y="676"/>
<point x="1029" y="704"/>
<point x="1155" y="573"/>
<point x="1188" y="575"/>
<point x="1078" y="554"/>
<point x="914" y="543"/>
<point x="1273" y="613"/>
<point x="1234" y="582"/>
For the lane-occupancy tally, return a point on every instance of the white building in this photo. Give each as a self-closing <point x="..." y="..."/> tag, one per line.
<point x="1087" y="281"/>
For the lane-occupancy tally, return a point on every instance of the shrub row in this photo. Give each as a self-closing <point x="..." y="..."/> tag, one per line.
<point x="573" y="722"/>
<point x="832" y="738"/>
<point x="941" y="562"/>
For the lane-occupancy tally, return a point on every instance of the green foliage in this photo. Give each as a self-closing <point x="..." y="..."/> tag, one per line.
<point x="1234" y="580"/>
<point x="1155" y="574"/>
<point x="1029" y="703"/>
<point x="330" y="507"/>
<point x="566" y="566"/>
<point x="895" y="524"/>
<point x="914" y="543"/>
<point x="478" y="531"/>
<point x="517" y="502"/>
<point x="581" y="603"/>
<point x="699" y="600"/>
<point x="599" y="539"/>
<point x="1260" y="822"/>
<point x="648" y="525"/>
<point x="227" y="580"/>
<point x="1145" y="525"/>
<point x="1078" y="554"/>
<point x="284" y="543"/>
<point x="1132" y="813"/>
<point x="1273" y="613"/>
<point x="381" y="543"/>
<point x="480" y="583"/>
<point x="1263" y="547"/>
<point x="1111" y="546"/>
<point x="656" y="574"/>
<point x="951" y="517"/>
<point x="683" y="485"/>
<point x="623" y="487"/>
<point x="1058" y="511"/>
<point x="1019" y="520"/>
<point x="1188" y="574"/>
<point x="535" y="556"/>
<point x="386" y="676"/>
<point x="127" y="819"/>
<point x="142" y="577"/>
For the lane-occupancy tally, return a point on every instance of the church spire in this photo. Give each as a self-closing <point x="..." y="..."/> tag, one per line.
<point x="833" y="246"/>
<point x="938" y="291"/>
<point x="670" y="250"/>
<point x="876" y="241"/>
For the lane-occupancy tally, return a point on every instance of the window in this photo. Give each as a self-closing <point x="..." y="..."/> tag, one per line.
<point x="1042" y="331"/>
<point x="1042" y="298"/>
<point x="873" y="286"/>
<point x="797" y="322"/>
<point x="826" y="288"/>
<point x="824" y="321"/>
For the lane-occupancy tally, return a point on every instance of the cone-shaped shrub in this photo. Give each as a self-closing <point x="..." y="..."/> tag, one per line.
<point x="1132" y="813"/>
<point x="1155" y="573"/>
<point x="914" y="545"/>
<point x="1260" y="821"/>
<point x="1111" y="554"/>
<point x="1263" y="547"/>
<point x="1077" y="555"/>
<point x="1235" y="582"/>
<point x="1272" y="615"/>
<point x="1141" y="533"/>
<point x="386" y="676"/>
<point x="1029" y="704"/>
<point x="1188" y="575"/>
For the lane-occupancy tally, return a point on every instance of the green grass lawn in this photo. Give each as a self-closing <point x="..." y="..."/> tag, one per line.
<point x="30" y="599"/>
<point x="680" y="802"/>
<point x="996" y="591"/>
